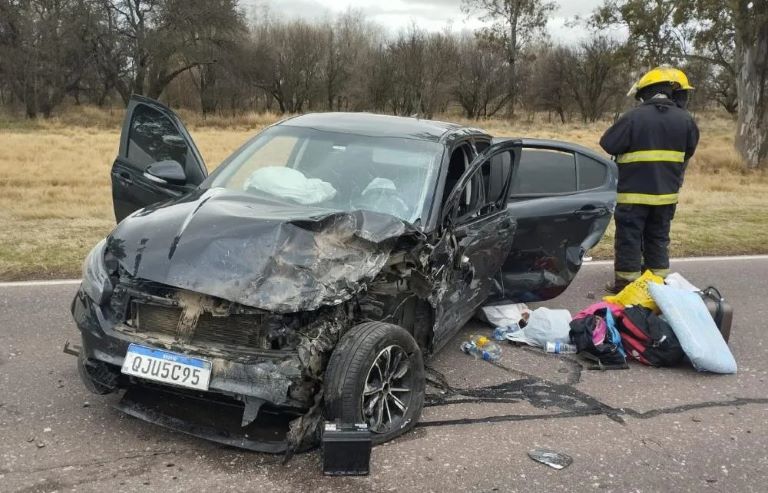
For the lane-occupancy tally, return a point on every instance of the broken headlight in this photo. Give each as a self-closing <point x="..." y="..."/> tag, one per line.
<point x="96" y="282"/>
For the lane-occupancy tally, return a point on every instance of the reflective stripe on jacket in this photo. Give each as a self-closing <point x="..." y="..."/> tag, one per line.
<point x="652" y="144"/>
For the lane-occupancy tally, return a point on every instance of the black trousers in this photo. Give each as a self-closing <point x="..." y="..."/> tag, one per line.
<point x="642" y="239"/>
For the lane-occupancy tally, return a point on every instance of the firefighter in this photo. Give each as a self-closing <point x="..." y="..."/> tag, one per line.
<point x="651" y="144"/>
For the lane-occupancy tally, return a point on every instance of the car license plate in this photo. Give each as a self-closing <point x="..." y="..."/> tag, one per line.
<point x="167" y="367"/>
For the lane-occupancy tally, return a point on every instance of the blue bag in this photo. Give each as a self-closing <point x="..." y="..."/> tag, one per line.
<point x="699" y="337"/>
<point x="612" y="333"/>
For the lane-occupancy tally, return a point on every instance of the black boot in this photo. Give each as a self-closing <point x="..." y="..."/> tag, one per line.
<point x="616" y="286"/>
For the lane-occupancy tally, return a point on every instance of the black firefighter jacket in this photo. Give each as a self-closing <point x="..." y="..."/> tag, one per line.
<point x="652" y="144"/>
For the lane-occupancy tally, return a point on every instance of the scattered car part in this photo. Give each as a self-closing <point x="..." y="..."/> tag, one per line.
<point x="346" y="449"/>
<point x="555" y="460"/>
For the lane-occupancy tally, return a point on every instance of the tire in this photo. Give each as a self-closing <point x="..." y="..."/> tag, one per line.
<point x="360" y="357"/>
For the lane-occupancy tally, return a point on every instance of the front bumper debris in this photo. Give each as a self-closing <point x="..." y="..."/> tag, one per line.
<point x="254" y="396"/>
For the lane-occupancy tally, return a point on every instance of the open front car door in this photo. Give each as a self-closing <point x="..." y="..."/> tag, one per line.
<point x="483" y="229"/>
<point x="157" y="159"/>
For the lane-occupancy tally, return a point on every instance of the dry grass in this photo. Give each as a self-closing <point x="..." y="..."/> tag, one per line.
<point x="55" y="199"/>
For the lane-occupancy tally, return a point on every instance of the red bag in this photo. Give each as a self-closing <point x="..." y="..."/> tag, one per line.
<point x="649" y="339"/>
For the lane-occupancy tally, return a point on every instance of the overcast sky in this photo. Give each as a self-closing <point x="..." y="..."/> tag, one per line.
<point x="429" y="14"/>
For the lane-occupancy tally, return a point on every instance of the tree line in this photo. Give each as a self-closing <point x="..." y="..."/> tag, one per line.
<point x="210" y="56"/>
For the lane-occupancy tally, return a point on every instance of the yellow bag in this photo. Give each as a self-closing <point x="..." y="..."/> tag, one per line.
<point x="637" y="293"/>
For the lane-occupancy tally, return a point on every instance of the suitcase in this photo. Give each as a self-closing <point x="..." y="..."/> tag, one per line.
<point x="721" y="310"/>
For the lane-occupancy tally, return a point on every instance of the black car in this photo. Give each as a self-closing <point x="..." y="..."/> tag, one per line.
<point x="311" y="273"/>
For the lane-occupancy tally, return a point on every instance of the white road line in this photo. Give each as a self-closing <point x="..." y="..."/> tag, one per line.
<point x="21" y="284"/>
<point x="64" y="282"/>
<point x="692" y="259"/>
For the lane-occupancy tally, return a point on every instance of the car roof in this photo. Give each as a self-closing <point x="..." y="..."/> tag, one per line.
<point x="374" y="125"/>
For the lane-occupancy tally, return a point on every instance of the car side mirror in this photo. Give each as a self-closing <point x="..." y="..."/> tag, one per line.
<point x="166" y="172"/>
<point x="175" y="141"/>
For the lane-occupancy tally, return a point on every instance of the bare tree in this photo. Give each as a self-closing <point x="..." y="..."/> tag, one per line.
<point x="211" y="47"/>
<point x="346" y="44"/>
<point x="515" y="24"/>
<point x="143" y="45"/>
<point x="594" y="76"/>
<point x="292" y="61"/>
<point x="549" y="89"/>
<point x="481" y="77"/>
<point x="42" y="50"/>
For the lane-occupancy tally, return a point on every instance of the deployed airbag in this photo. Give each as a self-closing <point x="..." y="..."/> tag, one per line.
<point x="289" y="183"/>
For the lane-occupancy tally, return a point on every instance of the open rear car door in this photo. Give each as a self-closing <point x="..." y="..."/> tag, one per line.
<point x="157" y="159"/>
<point x="562" y="197"/>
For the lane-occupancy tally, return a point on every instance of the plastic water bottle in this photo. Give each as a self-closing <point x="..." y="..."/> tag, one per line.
<point x="561" y="348"/>
<point x="481" y="347"/>
<point x="500" y="333"/>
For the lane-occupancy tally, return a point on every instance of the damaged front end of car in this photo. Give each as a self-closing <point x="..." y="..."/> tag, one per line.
<point x="265" y="302"/>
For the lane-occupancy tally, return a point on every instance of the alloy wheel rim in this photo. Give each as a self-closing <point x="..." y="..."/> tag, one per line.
<point x="387" y="392"/>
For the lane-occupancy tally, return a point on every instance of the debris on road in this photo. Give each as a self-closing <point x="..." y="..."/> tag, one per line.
<point x="481" y="348"/>
<point x="555" y="460"/>
<point x="544" y="325"/>
<point x="502" y="333"/>
<point x="561" y="348"/>
<point x="594" y="333"/>
<point x="503" y="315"/>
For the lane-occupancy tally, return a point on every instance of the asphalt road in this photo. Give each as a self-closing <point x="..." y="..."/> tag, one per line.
<point x="641" y="429"/>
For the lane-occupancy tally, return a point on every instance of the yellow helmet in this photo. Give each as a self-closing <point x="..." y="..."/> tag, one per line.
<point x="665" y="73"/>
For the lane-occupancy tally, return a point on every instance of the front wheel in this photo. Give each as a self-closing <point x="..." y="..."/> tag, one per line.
<point x="376" y="376"/>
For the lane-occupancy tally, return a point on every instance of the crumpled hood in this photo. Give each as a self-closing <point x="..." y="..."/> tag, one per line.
<point x="270" y="255"/>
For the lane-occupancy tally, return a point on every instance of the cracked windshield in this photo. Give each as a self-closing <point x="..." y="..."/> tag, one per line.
<point x="336" y="171"/>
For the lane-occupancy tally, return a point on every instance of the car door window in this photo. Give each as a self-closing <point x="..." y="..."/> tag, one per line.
<point x="592" y="173"/>
<point x="153" y="137"/>
<point x="545" y="172"/>
<point x="458" y="164"/>
<point x="472" y="199"/>
<point x="486" y="188"/>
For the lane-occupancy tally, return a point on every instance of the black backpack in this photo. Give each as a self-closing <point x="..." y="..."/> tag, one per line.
<point x="649" y="339"/>
<point x="606" y="355"/>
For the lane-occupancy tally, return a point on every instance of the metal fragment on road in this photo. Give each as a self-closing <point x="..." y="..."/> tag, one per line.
<point x="555" y="460"/>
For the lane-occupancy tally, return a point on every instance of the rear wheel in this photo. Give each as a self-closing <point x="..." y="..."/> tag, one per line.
<point x="376" y="376"/>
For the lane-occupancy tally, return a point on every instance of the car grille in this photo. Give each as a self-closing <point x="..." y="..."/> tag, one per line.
<point x="246" y="330"/>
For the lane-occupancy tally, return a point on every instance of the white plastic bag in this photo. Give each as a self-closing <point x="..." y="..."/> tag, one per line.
<point x="678" y="281"/>
<point x="544" y="325"/>
<point x="689" y="318"/>
<point x="289" y="183"/>
<point x="503" y="315"/>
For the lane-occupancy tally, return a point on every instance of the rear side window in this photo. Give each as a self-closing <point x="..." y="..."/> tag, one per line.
<point x="592" y="174"/>
<point x="544" y="171"/>
<point x="153" y="137"/>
